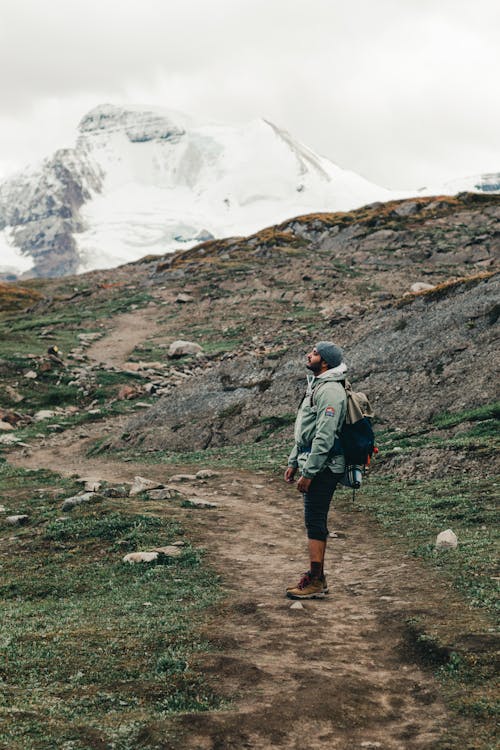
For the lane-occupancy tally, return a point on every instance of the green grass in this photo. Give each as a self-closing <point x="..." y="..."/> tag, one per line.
<point x="93" y="648"/>
<point x="414" y="512"/>
<point x="450" y="419"/>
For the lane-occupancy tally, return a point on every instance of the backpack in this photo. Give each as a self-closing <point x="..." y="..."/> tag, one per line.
<point x="357" y="438"/>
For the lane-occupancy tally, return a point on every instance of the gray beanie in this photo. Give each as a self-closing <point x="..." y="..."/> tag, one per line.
<point x="331" y="353"/>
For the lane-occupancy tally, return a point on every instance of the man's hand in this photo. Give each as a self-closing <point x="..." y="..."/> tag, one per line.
<point x="303" y="484"/>
<point x="289" y="474"/>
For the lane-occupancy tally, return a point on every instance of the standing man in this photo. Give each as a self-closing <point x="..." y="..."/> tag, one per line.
<point x="317" y="453"/>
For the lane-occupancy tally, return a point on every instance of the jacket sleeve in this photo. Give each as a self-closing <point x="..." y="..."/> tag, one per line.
<point x="329" y="410"/>
<point x="292" y="458"/>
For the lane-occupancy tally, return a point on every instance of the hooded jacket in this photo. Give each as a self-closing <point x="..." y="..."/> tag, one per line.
<point x="317" y="426"/>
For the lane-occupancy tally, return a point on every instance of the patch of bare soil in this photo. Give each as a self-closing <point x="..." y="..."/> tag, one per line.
<point x="129" y="330"/>
<point x="337" y="673"/>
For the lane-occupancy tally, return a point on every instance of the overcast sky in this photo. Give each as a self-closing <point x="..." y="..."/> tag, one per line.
<point x="404" y="92"/>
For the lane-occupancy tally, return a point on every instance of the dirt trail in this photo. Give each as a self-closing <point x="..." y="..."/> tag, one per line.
<point x="334" y="674"/>
<point x="129" y="330"/>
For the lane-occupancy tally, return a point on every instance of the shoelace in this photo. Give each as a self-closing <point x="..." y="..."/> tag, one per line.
<point x="305" y="580"/>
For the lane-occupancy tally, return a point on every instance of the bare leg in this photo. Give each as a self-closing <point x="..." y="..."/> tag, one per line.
<point x="317" y="550"/>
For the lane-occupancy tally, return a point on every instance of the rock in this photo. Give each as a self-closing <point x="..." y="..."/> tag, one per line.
<point x="446" y="540"/>
<point x="5" y="426"/>
<point x="196" y="502"/>
<point x="421" y="286"/>
<point x="135" y="557"/>
<point x="91" y="486"/>
<point x="44" y="414"/>
<point x="183" y="299"/>
<point x="297" y="605"/>
<point x="163" y="494"/>
<point x="9" y="439"/>
<point x="31" y="375"/>
<point x="407" y="208"/>
<point x="19" y="520"/>
<point x="126" y="392"/>
<point x="85" y="497"/>
<point x="2" y="509"/>
<point x="120" y="490"/>
<point x="13" y="394"/>
<point x="183" y="478"/>
<point x="206" y="474"/>
<point x="141" y="484"/>
<point x="170" y="550"/>
<point x="181" y="348"/>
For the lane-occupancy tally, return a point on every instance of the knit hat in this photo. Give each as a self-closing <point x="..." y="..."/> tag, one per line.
<point x="331" y="353"/>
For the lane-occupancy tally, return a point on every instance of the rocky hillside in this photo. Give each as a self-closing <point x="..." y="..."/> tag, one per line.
<point x="409" y="289"/>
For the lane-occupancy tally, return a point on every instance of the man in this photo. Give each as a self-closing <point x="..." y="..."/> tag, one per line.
<point x="317" y="453"/>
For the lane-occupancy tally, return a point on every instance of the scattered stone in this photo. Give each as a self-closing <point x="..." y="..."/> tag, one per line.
<point x="407" y="208"/>
<point x="120" y="490"/>
<point x="206" y="474"/>
<point x="180" y="348"/>
<point x="2" y="509"/>
<point x="141" y="484"/>
<point x="446" y="540"/>
<point x="19" y="520"/>
<point x="170" y="550"/>
<point x="13" y="394"/>
<point x="183" y="478"/>
<point x="421" y="286"/>
<point x="31" y="375"/>
<point x="127" y="392"/>
<point x="85" y="497"/>
<point x="183" y="299"/>
<point x="9" y="439"/>
<point x="371" y="745"/>
<point x="92" y="486"/>
<point x="5" y="426"/>
<point x="135" y="557"/>
<point x="44" y="414"/>
<point x="163" y="494"/>
<point x="197" y="503"/>
<point x="297" y="605"/>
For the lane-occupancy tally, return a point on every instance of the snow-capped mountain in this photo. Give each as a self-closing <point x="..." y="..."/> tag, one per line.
<point x="142" y="181"/>
<point x="482" y="183"/>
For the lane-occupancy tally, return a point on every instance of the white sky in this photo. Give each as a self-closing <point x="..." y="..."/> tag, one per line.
<point x="404" y="92"/>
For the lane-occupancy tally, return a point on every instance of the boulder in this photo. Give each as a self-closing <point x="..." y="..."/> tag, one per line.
<point x="183" y="478"/>
<point x="44" y="414"/>
<point x="136" y="557"/>
<point x="170" y="550"/>
<point x="19" y="520"/>
<point x="182" y="348"/>
<point x="163" y="494"/>
<point x="126" y="392"/>
<point x="31" y="375"/>
<point x="446" y="540"/>
<point x="183" y="299"/>
<point x="5" y="426"/>
<point x="206" y="474"/>
<point x="141" y="484"/>
<point x="85" y="497"/>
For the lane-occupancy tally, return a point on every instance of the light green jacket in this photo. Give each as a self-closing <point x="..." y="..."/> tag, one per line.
<point x="317" y="426"/>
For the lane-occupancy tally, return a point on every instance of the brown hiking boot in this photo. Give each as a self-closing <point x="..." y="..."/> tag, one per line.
<point x="322" y="579"/>
<point x="307" y="588"/>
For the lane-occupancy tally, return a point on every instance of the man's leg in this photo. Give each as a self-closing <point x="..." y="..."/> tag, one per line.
<point x="316" y="506"/>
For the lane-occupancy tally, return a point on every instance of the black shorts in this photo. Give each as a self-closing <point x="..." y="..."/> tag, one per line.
<point x="317" y="503"/>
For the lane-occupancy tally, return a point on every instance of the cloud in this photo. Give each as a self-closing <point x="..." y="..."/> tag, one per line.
<point x="389" y="89"/>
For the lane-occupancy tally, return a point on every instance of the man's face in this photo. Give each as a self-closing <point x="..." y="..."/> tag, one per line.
<point x="314" y="361"/>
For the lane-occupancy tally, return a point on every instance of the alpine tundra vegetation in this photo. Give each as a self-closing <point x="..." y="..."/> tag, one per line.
<point x="146" y="415"/>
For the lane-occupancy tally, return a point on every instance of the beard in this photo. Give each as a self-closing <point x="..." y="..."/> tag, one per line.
<point x="315" y="367"/>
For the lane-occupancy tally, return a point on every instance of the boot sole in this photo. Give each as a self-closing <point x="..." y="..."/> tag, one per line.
<point x="319" y="595"/>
